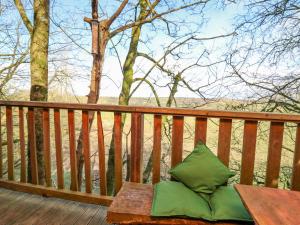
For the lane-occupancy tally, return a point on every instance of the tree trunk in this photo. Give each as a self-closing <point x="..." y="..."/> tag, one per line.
<point x="39" y="76"/>
<point x="148" y="169"/>
<point x="125" y="91"/>
<point x="100" y="37"/>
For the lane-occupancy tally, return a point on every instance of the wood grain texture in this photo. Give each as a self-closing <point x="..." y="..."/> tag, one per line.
<point x="22" y="145"/>
<point x="270" y="206"/>
<point x="274" y="154"/>
<point x="224" y="140"/>
<point x="133" y="204"/>
<point x="72" y="144"/>
<point x="46" y="146"/>
<point x="58" y="150"/>
<point x="156" y="153"/>
<point x="101" y="155"/>
<point x="248" y="154"/>
<point x="279" y="117"/>
<point x="296" y="164"/>
<point x="32" y="146"/>
<point x="86" y="151"/>
<point x="200" y="130"/>
<point x="177" y="140"/>
<point x="10" y="143"/>
<point x="1" y="151"/>
<point x="137" y="143"/>
<point x="118" y="150"/>
<point x="25" y="209"/>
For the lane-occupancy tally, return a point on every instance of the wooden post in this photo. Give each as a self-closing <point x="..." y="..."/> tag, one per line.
<point x="248" y="155"/>
<point x="58" y="147"/>
<point x="32" y="146"/>
<point x="137" y="139"/>
<point x="22" y="145"/>
<point x="200" y="130"/>
<point x="1" y="159"/>
<point x="296" y="165"/>
<point x="274" y="154"/>
<point x="10" y="143"/>
<point x="177" y="140"/>
<point x="156" y="148"/>
<point x="118" y="150"/>
<point x="224" y="140"/>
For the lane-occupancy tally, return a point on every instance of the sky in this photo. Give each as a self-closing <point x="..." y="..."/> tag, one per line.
<point x="69" y="15"/>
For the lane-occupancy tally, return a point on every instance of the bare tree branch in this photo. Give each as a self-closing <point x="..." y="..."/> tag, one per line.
<point x="150" y="19"/>
<point x="117" y="13"/>
<point x="24" y="16"/>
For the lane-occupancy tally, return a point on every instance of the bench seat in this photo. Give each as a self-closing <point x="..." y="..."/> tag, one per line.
<point x="132" y="205"/>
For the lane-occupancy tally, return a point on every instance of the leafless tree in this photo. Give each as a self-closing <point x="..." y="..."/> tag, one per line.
<point x="264" y="55"/>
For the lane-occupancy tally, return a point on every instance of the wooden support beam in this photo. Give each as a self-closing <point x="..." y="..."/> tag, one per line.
<point x="274" y="154"/>
<point x="137" y="142"/>
<point x="200" y="130"/>
<point x="57" y="193"/>
<point x="156" y="149"/>
<point x="177" y="140"/>
<point x="10" y="143"/>
<point x="248" y="154"/>
<point x="118" y="150"/>
<point x="32" y="146"/>
<point x="22" y="145"/>
<point x="224" y="140"/>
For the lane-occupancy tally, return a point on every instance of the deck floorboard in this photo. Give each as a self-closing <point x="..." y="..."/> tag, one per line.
<point x="18" y="208"/>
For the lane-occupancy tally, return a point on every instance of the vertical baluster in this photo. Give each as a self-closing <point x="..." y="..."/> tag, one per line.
<point x="1" y="158"/>
<point x="10" y="143"/>
<point x="224" y="140"/>
<point x="118" y="150"/>
<point x="248" y="154"/>
<point x="86" y="151"/>
<point x="200" y="130"/>
<point x="46" y="146"/>
<point x="137" y="139"/>
<point x="274" y="154"/>
<point x="32" y="146"/>
<point x="72" y="144"/>
<point x="22" y="145"/>
<point x="101" y="154"/>
<point x="177" y="140"/>
<point x="296" y="165"/>
<point x="58" y="146"/>
<point x="156" y="149"/>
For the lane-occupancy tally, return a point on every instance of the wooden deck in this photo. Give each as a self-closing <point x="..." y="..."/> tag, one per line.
<point x="23" y="209"/>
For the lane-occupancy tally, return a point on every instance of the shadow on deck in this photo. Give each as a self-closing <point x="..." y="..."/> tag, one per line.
<point x="22" y="208"/>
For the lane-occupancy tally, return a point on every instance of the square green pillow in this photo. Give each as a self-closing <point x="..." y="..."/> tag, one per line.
<point x="201" y="171"/>
<point x="226" y="204"/>
<point x="175" y="199"/>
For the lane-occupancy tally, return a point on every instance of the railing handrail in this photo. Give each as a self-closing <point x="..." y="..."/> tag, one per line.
<point x="269" y="116"/>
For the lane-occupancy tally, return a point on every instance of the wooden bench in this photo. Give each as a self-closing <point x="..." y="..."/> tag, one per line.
<point x="132" y="205"/>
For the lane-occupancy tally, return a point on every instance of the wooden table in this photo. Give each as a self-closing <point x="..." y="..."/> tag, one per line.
<point x="270" y="206"/>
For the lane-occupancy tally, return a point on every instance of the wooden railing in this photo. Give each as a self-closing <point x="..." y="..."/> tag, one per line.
<point x="251" y="119"/>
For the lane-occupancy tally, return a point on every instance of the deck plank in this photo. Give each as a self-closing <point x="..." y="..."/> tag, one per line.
<point x="18" y="208"/>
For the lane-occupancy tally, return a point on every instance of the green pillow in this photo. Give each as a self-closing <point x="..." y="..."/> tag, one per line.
<point x="201" y="171"/>
<point x="175" y="199"/>
<point x="226" y="204"/>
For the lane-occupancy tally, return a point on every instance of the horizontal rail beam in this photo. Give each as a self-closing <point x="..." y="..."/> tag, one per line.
<point x="160" y="110"/>
<point x="53" y="192"/>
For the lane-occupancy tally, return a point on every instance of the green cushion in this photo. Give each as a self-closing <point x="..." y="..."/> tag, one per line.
<point x="175" y="199"/>
<point x="201" y="171"/>
<point x="226" y="204"/>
